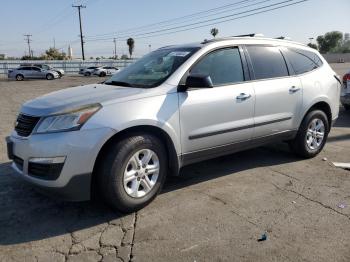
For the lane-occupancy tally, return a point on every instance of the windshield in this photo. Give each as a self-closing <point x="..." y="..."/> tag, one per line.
<point x="152" y="69"/>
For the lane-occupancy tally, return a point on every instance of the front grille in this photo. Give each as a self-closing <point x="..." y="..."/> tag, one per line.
<point x="25" y="124"/>
<point x="45" y="171"/>
<point x="19" y="162"/>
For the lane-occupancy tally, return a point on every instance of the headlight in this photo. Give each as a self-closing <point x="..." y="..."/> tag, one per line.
<point x="69" y="121"/>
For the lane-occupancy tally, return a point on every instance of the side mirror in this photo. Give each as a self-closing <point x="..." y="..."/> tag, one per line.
<point x="198" y="81"/>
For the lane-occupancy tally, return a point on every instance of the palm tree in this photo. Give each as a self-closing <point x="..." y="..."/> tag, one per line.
<point x="214" y="31"/>
<point x="131" y="43"/>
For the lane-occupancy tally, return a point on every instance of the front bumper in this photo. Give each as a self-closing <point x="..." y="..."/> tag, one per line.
<point x="80" y="149"/>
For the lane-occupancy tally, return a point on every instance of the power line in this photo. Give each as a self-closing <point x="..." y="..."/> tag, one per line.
<point x="154" y="33"/>
<point x="174" y="19"/>
<point x="81" y="29"/>
<point x="28" y="40"/>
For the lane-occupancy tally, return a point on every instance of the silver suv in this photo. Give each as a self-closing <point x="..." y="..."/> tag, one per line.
<point x="173" y="107"/>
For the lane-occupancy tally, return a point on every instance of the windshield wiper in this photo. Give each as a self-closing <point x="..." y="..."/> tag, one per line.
<point x="118" y="83"/>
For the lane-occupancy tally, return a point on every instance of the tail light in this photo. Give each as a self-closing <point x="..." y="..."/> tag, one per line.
<point x="346" y="78"/>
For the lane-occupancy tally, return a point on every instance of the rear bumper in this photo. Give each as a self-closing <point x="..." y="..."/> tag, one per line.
<point x="345" y="99"/>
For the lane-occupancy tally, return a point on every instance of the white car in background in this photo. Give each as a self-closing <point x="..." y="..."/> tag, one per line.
<point x="105" y="71"/>
<point x="88" y="70"/>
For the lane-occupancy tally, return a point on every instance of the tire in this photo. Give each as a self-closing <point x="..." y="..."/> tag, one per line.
<point x="50" y="77"/>
<point x="59" y="74"/>
<point x="19" y="77"/>
<point x="87" y="74"/>
<point x="119" y="162"/>
<point x="347" y="107"/>
<point x="301" y="144"/>
<point x="102" y="74"/>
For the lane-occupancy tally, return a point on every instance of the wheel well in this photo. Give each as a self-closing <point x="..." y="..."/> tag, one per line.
<point x="144" y="129"/>
<point x="323" y="106"/>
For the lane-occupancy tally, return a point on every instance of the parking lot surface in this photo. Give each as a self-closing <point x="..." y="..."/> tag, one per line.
<point x="216" y="210"/>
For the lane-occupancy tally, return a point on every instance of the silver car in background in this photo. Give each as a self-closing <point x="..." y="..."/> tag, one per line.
<point x="31" y="72"/>
<point x="60" y="72"/>
<point x="175" y="106"/>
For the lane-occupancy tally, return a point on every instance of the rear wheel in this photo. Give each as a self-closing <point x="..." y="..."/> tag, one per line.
<point x="102" y="74"/>
<point x="19" y="77"/>
<point x="87" y="74"/>
<point x="133" y="172"/>
<point x="312" y="134"/>
<point x="49" y="76"/>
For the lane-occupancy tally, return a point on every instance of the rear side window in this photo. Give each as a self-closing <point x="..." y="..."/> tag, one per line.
<point x="224" y="66"/>
<point x="267" y="62"/>
<point x="302" y="61"/>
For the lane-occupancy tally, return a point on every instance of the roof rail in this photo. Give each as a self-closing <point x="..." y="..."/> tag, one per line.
<point x="249" y="35"/>
<point x="283" y="38"/>
<point x="230" y="37"/>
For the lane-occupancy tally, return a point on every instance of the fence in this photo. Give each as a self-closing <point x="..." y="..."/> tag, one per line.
<point x="337" y="58"/>
<point x="69" y="66"/>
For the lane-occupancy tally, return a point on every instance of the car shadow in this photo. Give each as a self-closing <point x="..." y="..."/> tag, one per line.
<point x="271" y="155"/>
<point x="26" y="215"/>
<point x="343" y="119"/>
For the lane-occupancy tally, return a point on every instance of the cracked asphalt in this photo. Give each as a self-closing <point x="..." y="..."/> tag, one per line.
<point x="215" y="211"/>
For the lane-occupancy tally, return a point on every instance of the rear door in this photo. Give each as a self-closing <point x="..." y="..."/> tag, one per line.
<point x="27" y="72"/>
<point x="278" y="93"/>
<point x="218" y="116"/>
<point x="36" y="72"/>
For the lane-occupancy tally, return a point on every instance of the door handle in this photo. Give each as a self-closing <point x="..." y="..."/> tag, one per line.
<point x="294" y="89"/>
<point x="243" y="96"/>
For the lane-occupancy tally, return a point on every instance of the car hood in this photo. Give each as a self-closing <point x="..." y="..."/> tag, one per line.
<point x="75" y="97"/>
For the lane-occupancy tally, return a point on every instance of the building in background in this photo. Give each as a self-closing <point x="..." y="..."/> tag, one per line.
<point x="2" y="56"/>
<point x="70" y="52"/>
<point x="346" y="37"/>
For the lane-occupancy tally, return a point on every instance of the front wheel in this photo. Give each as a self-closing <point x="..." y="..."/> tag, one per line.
<point x="49" y="76"/>
<point x="312" y="135"/>
<point x="133" y="172"/>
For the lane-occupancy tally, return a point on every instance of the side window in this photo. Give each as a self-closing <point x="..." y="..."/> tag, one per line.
<point x="267" y="62"/>
<point x="224" y="66"/>
<point x="302" y="61"/>
<point x="36" y="69"/>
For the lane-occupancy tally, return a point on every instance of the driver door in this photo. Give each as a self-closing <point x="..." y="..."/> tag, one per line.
<point x="214" y="119"/>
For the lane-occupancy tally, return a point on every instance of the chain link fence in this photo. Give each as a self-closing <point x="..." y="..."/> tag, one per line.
<point x="69" y="66"/>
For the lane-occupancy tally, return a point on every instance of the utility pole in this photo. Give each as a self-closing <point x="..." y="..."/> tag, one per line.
<point x="54" y="43"/>
<point x="115" y="48"/>
<point x="81" y="29"/>
<point x="27" y="39"/>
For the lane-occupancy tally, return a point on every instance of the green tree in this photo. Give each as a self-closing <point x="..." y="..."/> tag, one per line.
<point x="329" y="41"/>
<point x="54" y="54"/>
<point x="314" y="46"/>
<point x="124" y="57"/>
<point x="214" y="31"/>
<point x="131" y="43"/>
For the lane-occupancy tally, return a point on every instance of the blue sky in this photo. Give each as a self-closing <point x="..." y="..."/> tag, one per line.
<point x="48" y="19"/>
